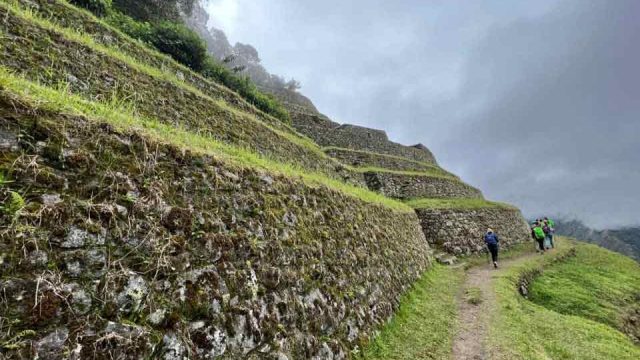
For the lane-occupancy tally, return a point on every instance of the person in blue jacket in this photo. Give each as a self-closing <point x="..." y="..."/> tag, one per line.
<point x="491" y="239"/>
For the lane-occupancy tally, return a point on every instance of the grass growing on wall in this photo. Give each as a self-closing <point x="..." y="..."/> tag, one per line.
<point x="522" y="329"/>
<point x="423" y="327"/>
<point x="456" y="204"/>
<point x="123" y="117"/>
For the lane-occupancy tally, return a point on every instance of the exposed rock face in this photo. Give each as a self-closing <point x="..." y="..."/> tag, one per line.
<point x="460" y="231"/>
<point x="404" y="186"/>
<point x="150" y="251"/>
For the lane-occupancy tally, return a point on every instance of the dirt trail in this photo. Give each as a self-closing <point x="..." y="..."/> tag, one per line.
<point x="469" y="341"/>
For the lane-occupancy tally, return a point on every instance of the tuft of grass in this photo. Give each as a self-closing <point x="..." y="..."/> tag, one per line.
<point x="457" y="204"/>
<point x="473" y="295"/>
<point x="14" y="203"/>
<point x="423" y="327"/>
<point x="595" y="284"/>
<point x="58" y="100"/>
<point x="522" y="329"/>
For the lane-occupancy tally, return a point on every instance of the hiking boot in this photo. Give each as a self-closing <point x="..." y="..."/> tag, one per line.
<point x="495" y="264"/>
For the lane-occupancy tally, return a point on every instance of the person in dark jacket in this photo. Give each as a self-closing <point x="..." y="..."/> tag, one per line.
<point x="491" y="239"/>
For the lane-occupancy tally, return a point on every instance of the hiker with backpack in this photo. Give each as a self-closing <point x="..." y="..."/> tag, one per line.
<point x="538" y="235"/>
<point x="491" y="239"/>
<point x="548" y="231"/>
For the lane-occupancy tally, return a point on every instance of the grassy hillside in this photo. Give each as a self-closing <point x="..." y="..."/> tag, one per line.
<point x="595" y="284"/>
<point x="523" y="329"/>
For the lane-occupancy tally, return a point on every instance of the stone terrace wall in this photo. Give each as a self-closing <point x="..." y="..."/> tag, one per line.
<point x="365" y="158"/>
<point x="405" y="186"/>
<point x="130" y="249"/>
<point x="44" y="56"/>
<point x="329" y="133"/>
<point x="461" y="231"/>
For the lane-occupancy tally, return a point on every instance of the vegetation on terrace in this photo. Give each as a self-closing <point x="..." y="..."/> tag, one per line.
<point x="371" y="159"/>
<point x="595" y="284"/>
<point x="160" y="27"/>
<point x="123" y="117"/>
<point x="424" y="326"/>
<point x="429" y="173"/>
<point x="82" y="22"/>
<point x="522" y="329"/>
<point x="47" y="54"/>
<point x="456" y="204"/>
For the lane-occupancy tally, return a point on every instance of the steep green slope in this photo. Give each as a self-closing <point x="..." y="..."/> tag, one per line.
<point x="595" y="284"/>
<point x="522" y="329"/>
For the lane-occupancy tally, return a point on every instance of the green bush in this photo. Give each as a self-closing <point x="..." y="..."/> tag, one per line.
<point x="154" y="10"/>
<point x="186" y="47"/>
<point x="126" y="24"/>
<point x="245" y="88"/>
<point x="98" y="7"/>
<point x="180" y="42"/>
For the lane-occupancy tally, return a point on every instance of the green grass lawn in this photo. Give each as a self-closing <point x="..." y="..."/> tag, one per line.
<point x="423" y="327"/>
<point x="596" y="284"/>
<point x="522" y="329"/>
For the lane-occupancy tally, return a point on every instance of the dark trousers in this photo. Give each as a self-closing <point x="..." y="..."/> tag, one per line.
<point x="540" y="243"/>
<point x="550" y="236"/>
<point x="493" y="249"/>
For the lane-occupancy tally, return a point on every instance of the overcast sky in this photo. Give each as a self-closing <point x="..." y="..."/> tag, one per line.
<point x="535" y="102"/>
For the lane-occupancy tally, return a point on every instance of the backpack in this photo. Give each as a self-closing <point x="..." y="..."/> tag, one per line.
<point x="538" y="232"/>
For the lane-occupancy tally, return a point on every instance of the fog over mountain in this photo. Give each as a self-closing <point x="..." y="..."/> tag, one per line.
<point x="535" y="102"/>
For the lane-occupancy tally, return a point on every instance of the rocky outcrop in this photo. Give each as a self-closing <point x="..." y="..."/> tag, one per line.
<point x="410" y="185"/>
<point x="128" y="248"/>
<point x="460" y="231"/>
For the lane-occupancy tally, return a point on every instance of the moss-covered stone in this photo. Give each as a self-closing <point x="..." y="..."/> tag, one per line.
<point x="207" y="259"/>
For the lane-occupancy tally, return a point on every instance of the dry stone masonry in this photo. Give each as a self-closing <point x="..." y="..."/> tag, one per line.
<point x="460" y="231"/>
<point x="328" y="133"/>
<point x="118" y="246"/>
<point x="129" y="249"/>
<point x="408" y="186"/>
<point x="359" y="158"/>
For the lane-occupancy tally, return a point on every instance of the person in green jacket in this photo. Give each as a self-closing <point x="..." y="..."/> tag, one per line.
<point x="538" y="234"/>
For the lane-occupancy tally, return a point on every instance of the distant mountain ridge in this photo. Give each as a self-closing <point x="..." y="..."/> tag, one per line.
<point x="625" y="241"/>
